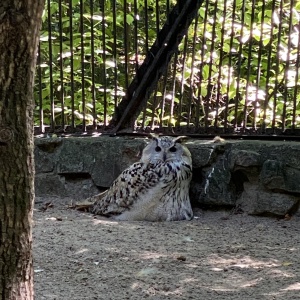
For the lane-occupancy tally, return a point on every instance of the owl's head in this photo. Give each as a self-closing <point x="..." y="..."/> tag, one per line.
<point x="166" y="149"/>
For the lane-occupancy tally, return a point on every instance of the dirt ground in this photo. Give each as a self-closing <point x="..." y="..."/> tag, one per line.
<point x="218" y="255"/>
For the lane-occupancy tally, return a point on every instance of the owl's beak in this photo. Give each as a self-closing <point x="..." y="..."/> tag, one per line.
<point x="164" y="156"/>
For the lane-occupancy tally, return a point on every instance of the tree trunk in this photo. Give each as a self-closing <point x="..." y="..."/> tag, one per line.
<point x="19" y="34"/>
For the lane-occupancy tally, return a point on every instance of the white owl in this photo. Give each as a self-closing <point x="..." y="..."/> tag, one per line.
<point x="154" y="189"/>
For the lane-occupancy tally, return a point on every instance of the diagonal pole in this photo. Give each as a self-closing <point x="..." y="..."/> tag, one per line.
<point x="155" y="63"/>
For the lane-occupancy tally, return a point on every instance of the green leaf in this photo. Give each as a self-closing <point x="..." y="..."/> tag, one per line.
<point x="129" y="19"/>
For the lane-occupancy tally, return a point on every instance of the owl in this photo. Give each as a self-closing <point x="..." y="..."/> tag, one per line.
<point x="154" y="189"/>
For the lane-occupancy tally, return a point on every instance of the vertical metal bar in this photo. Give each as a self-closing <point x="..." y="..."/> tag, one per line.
<point x="297" y="64"/>
<point x="218" y="96"/>
<point x="191" y="90"/>
<point x="269" y="64"/>
<point x="39" y="72"/>
<point x="211" y="58"/>
<point x="144" y="116"/>
<point x="82" y="65"/>
<point x="198" y="104"/>
<point x="126" y="40"/>
<point x="146" y="25"/>
<point x="162" y="104"/>
<point x="277" y="71"/>
<point x="146" y="48"/>
<point x="237" y="95"/>
<point x="256" y="102"/>
<point x="114" y="4"/>
<point x="229" y="76"/>
<point x="153" y="109"/>
<point x="71" y="66"/>
<point x="173" y="87"/>
<point x="159" y="22"/>
<point x="249" y="67"/>
<point x="163" y="101"/>
<point x="155" y="92"/>
<point x="52" y="118"/>
<point x="157" y="16"/>
<point x="104" y="64"/>
<point x="203" y="49"/>
<point x="167" y="8"/>
<point x="136" y="50"/>
<point x="61" y="66"/>
<point x="287" y="66"/>
<point x="180" y="104"/>
<point x="93" y="90"/>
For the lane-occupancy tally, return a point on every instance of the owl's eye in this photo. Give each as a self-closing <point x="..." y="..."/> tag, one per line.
<point x="173" y="149"/>
<point x="157" y="149"/>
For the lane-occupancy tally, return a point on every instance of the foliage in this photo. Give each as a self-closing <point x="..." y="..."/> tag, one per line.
<point x="237" y="66"/>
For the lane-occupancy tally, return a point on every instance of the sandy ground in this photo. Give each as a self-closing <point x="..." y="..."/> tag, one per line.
<point x="218" y="255"/>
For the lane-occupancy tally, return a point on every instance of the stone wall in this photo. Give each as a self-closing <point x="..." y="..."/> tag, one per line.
<point x="257" y="177"/>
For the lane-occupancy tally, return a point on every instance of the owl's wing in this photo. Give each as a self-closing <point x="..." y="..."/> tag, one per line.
<point x="126" y="189"/>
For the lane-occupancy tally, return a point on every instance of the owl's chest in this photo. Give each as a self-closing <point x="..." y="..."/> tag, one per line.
<point x="175" y="172"/>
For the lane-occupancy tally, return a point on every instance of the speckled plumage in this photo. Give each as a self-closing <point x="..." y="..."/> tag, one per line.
<point x="154" y="189"/>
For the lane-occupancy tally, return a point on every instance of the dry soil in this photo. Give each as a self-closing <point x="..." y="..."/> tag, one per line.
<point x="218" y="255"/>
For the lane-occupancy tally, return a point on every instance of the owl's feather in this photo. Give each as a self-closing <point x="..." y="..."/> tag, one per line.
<point x="155" y="189"/>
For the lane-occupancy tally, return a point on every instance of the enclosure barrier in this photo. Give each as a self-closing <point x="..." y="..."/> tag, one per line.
<point x="235" y="71"/>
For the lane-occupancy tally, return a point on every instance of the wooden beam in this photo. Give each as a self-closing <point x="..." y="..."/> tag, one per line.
<point x="155" y="63"/>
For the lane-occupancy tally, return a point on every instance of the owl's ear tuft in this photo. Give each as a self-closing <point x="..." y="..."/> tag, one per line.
<point x="180" y="139"/>
<point x="154" y="136"/>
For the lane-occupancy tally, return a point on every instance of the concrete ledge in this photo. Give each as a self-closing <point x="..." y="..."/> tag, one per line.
<point x="258" y="177"/>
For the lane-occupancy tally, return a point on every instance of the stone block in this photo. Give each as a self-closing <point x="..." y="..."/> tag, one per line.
<point x="201" y="155"/>
<point x="49" y="184"/>
<point x="44" y="162"/>
<point x="256" y="200"/>
<point x="215" y="188"/>
<point x="275" y="175"/>
<point x="75" y="156"/>
<point x="244" y="158"/>
<point x="48" y="145"/>
<point x="80" y="188"/>
<point x="112" y="157"/>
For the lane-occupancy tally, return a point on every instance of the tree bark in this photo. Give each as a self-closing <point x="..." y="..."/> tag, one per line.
<point x="19" y="34"/>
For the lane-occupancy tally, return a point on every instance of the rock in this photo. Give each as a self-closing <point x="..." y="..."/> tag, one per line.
<point x="44" y="162"/>
<point x="80" y="188"/>
<point x="112" y="157"/>
<point x="48" y="145"/>
<point x="75" y="156"/>
<point x="277" y="176"/>
<point x="215" y="188"/>
<point x="256" y="200"/>
<point x="202" y="156"/>
<point x="244" y="158"/>
<point x="49" y="185"/>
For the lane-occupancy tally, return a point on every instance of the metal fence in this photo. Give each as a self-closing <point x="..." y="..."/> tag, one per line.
<point x="236" y="70"/>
